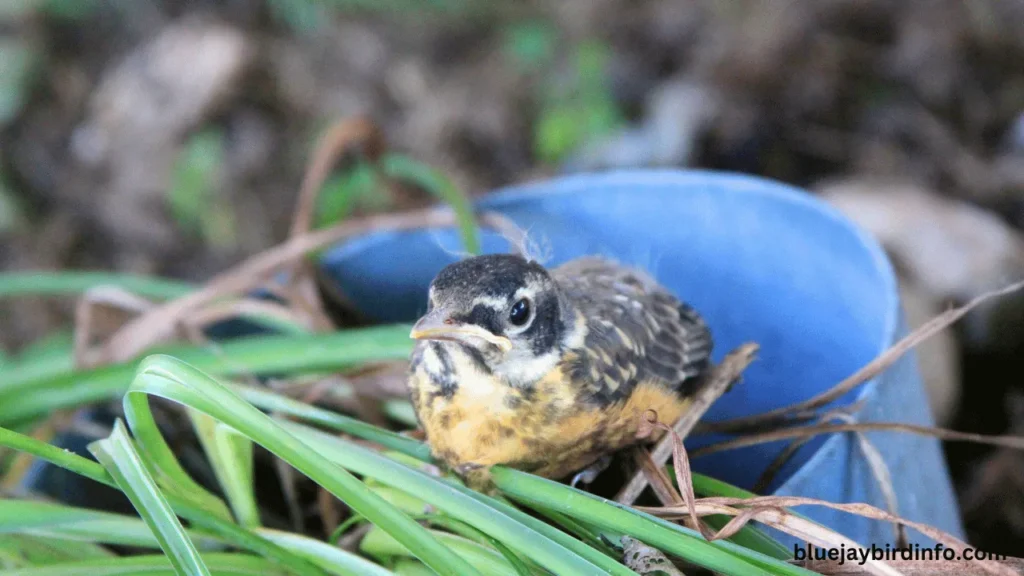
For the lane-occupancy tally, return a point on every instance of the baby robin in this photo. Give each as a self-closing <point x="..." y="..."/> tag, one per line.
<point x="549" y="371"/>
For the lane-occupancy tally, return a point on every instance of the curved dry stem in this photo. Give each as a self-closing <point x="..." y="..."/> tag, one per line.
<point x="158" y="324"/>
<point x="1015" y="442"/>
<point x="869" y="371"/>
<point x="771" y="511"/>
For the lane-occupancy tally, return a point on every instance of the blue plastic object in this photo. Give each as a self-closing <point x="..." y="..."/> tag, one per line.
<point x="762" y="262"/>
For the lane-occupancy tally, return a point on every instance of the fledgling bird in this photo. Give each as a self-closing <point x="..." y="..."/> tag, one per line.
<point x="549" y="371"/>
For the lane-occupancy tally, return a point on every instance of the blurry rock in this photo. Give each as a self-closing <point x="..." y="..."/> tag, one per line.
<point x="142" y="109"/>
<point x="949" y="249"/>
<point x="938" y="357"/>
<point x="675" y="115"/>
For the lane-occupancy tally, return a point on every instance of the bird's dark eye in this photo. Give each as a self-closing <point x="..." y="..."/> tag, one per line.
<point x="520" y="312"/>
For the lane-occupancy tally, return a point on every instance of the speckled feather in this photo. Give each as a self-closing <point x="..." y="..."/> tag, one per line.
<point x="636" y="331"/>
<point x="621" y="345"/>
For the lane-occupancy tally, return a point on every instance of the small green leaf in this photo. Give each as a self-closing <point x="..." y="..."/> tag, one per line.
<point x="193" y="197"/>
<point x="342" y="193"/>
<point x="580" y="111"/>
<point x="405" y="168"/>
<point x="531" y="45"/>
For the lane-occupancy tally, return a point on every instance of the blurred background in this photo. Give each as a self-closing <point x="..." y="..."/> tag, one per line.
<point x="170" y="138"/>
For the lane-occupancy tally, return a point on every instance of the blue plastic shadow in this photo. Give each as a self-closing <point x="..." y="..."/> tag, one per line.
<point x="762" y="262"/>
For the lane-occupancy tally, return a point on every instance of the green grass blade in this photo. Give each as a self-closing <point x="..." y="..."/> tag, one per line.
<point x="723" y="557"/>
<point x="262" y="355"/>
<point x="231" y="456"/>
<point x="119" y="457"/>
<point x="47" y="357"/>
<point x="175" y="380"/>
<point x="273" y="402"/>
<point x="228" y="532"/>
<point x="70" y="283"/>
<point x="57" y="456"/>
<point x="405" y="168"/>
<point x="164" y="465"/>
<point x="406" y="567"/>
<point x="590" y="554"/>
<point x="380" y="544"/>
<point x="466" y="531"/>
<point x="331" y="558"/>
<point x="153" y="565"/>
<point x="459" y="503"/>
<point x="401" y="411"/>
<point x="71" y="523"/>
<point x="21" y="550"/>
<point x="54" y="345"/>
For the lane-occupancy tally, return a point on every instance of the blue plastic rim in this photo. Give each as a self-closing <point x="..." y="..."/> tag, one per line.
<point x="762" y="262"/>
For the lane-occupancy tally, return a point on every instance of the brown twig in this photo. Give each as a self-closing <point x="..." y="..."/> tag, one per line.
<point x="874" y="458"/>
<point x="718" y="381"/>
<point x="1015" y="442"/>
<point x="770" y="510"/>
<point x="301" y="290"/>
<point x="656" y="477"/>
<point x="158" y="324"/>
<point x="684" y="479"/>
<point x="880" y="470"/>
<point x="869" y="371"/>
<point x="340" y="138"/>
<point x="247" y="307"/>
<point x="86" y="318"/>
<point x="773" y="516"/>
<point x="776" y="465"/>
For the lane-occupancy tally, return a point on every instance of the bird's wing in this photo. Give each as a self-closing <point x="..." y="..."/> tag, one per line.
<point x="636" y="330"/>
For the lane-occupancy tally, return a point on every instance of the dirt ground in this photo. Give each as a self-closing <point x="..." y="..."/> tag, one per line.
<point x="170" y="138"/>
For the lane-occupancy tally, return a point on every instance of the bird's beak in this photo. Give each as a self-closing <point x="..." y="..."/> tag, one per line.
<point x="436" y="325"/>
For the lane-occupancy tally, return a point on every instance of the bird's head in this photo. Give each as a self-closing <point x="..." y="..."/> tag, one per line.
<point x="504" y="307"/>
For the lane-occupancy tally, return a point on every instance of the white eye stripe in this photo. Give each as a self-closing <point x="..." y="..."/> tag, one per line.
<point x="494" y="302"/>
<point x="525" y="292"/>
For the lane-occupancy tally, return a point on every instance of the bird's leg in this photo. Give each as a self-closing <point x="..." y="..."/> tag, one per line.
<point x="590" y="473"/>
